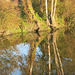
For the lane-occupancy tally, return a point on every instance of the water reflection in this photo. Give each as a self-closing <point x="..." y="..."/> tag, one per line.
<point x="33" y="54"/>
<point x="57" y="56"/>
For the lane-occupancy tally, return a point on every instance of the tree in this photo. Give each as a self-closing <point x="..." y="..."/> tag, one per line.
<point x="30" y="12"/>
<point x="8" y="0"/>
<point x="53" y="9"/>
<point x="47" y="20"/>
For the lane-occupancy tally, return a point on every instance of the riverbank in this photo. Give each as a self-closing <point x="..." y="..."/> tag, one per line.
<point x="16" y="19"/>
<point x="26" y="27"/>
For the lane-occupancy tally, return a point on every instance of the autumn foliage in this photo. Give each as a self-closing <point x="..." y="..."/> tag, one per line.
<point x="9" y="16"/>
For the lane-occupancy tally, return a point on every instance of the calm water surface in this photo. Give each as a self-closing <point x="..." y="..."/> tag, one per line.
<point x="44" y="53"/>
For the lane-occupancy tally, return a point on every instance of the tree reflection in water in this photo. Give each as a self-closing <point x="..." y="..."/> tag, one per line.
<point x="57" y="56"/>
<point x="35" y="54"/>
<point x="45" y="60"/>
<point x="49" y="54"/>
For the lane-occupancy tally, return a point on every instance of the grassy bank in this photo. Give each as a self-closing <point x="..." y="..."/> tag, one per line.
<point x="13" y="19"/>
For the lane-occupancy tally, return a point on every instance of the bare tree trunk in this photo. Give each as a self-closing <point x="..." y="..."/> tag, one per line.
<point x="52" y="1"/>
<point x="47" y="20"/>
<point x="53" y="9"/>
<point x="8" y="0"/>
<point x="46" y="11"/>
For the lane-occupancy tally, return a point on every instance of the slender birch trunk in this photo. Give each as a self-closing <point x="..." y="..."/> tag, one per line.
<point x="8" y="0"/>
<point x="52" y="1"/>
<point x="46" y="11"/>
<point x="53" y="9"/>
<point x="47" y="20"/>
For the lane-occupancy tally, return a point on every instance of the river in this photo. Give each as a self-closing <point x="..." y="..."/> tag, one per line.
<point x="43" y="53"/>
